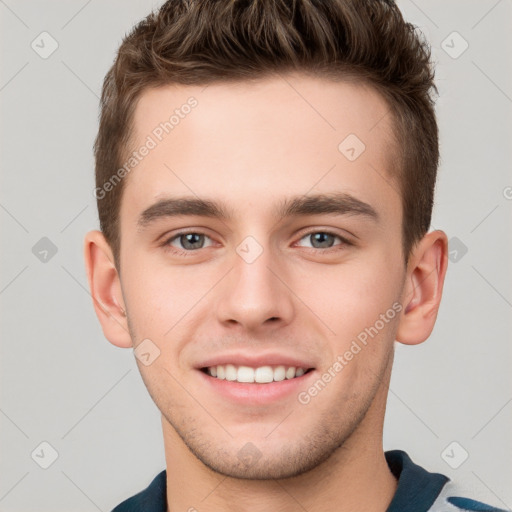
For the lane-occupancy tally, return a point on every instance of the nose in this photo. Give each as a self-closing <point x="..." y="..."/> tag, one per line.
<point x="254" y="295"/>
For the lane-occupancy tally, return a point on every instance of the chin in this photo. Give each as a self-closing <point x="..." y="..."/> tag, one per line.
<point x="276" y="460"/>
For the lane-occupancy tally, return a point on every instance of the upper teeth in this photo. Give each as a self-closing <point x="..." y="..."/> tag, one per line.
<point x="261" y="374"/>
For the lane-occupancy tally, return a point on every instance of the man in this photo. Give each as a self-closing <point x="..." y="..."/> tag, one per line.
<point x="265" y="172"/>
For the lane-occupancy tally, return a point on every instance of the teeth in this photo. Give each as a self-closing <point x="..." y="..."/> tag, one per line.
<point x="279" y="373"/>
<point x="245" y="374"/>
<point x="290" y="372"/>
<point x="230" y="372"/>
<point x="262" y="374"/>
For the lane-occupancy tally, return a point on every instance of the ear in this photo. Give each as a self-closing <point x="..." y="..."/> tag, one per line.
<point x="423" y="288"/>
<point x="105" y="286"/>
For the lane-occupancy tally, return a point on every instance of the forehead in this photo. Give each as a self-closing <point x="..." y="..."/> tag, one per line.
<point x="272" y="102"/>
<point x="278" y="135"/>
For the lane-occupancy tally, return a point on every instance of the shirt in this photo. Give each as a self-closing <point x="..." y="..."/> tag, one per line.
<point x="418" y="490"/>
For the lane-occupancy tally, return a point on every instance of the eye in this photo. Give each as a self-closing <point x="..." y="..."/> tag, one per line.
<point x="323" y="240"/>
<point x="188" y="241"/>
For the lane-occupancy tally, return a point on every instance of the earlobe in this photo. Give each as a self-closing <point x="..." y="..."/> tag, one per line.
<point x="105" y="287"/>
<point x="423" y="288"/>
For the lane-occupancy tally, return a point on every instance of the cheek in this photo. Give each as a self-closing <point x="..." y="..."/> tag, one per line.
<point x="161" y="298"/>
<point x="349" y="298"/>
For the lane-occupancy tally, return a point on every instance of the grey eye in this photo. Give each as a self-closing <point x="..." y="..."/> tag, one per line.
<point x="189" y="241"/>
<point x="320" y="239"/>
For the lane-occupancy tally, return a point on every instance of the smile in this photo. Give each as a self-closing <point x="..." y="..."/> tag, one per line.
<point x="260" y="375"/>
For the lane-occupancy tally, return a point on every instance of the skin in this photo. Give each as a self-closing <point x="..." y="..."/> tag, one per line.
<point x="252" y="145"/>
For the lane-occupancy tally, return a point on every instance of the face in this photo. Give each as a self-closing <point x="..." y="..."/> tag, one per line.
<point x="257" y="239"/>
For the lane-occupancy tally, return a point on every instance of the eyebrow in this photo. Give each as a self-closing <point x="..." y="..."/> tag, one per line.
<point x="335" y="203"/>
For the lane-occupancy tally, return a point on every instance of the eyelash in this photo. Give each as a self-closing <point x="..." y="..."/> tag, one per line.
<point x="190" y="252"/>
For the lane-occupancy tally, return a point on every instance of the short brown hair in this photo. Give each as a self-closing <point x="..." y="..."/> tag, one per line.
<point x="199" y="42"/>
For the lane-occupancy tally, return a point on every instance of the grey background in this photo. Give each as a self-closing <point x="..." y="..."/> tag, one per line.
<point x="63" y="383"/>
